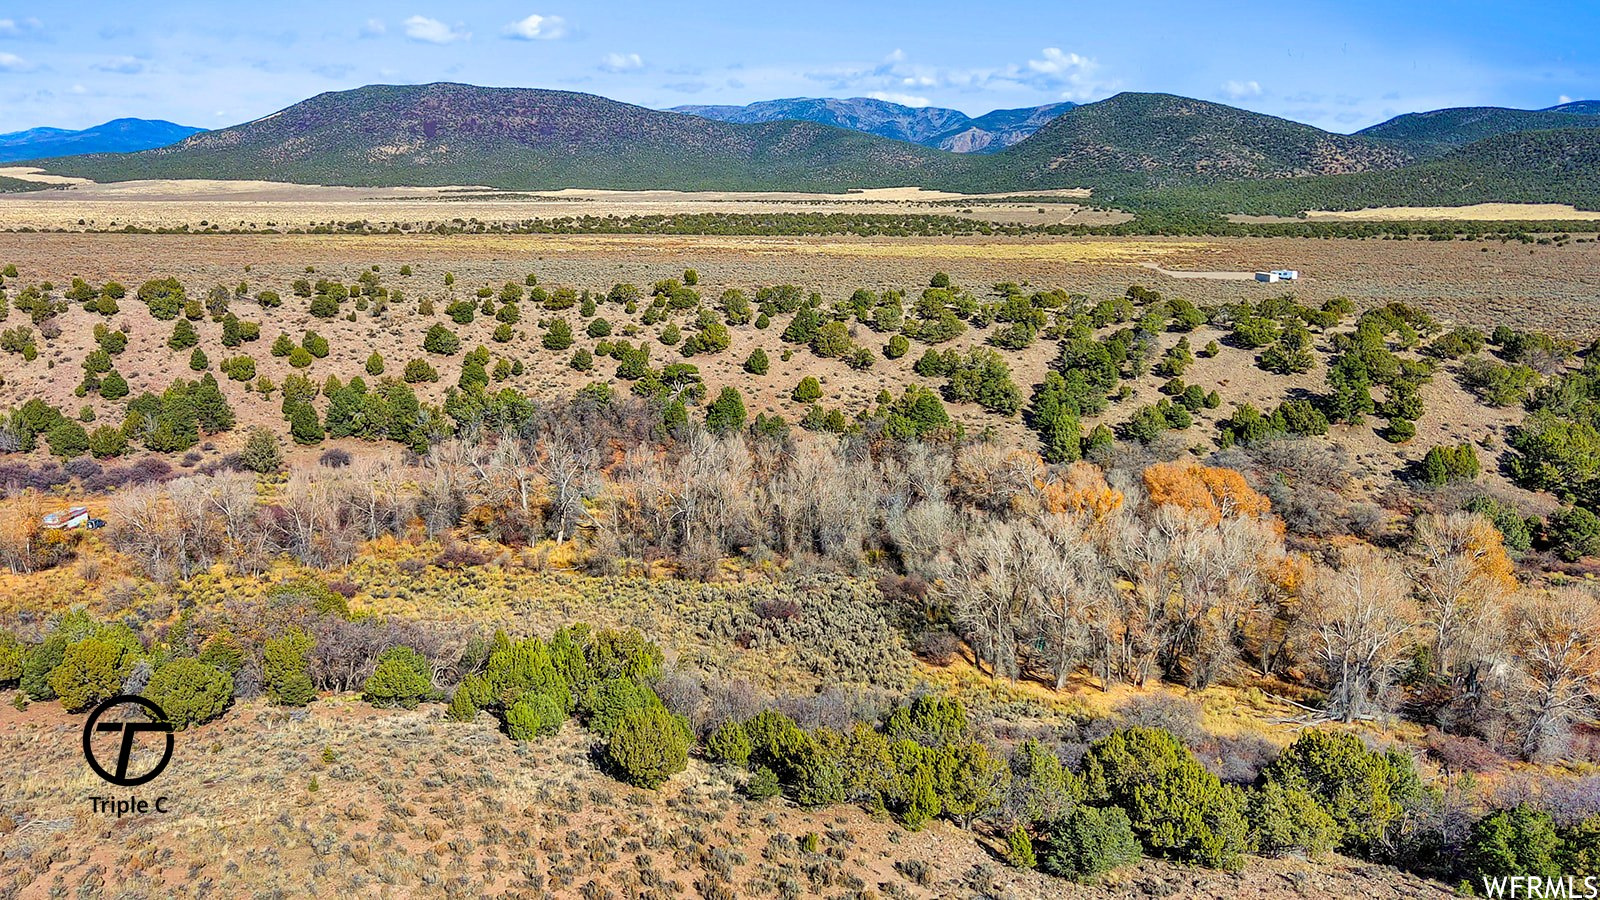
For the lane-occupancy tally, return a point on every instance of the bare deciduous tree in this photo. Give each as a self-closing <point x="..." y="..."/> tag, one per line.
<point x="1357" y="624"/>
<point x="1556" y="663"/>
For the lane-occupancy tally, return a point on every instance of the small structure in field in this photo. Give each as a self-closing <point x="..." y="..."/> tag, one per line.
<point x="67" y="519"/>
<point x="1267" y="277"/>
<point x="1287" y="274"/>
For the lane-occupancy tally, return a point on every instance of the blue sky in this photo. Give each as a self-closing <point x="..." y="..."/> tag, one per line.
<point x="1338" y="65"/>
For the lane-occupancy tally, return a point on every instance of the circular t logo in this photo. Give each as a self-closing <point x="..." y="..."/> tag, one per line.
<point x="130" y="733"/>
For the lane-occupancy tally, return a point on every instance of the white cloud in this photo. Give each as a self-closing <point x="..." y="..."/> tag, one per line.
<point x="1564" y="100"/>
<point x="537" y="28"/>
<point x="19" y="27"/>
<point x="1069" y="73"/>
<point x="621" y="62"/>
<point x="120" y="65"/>
<point x="433" y="31"/>
<point x="374" y="28"/>
<point x="1068" y="76"/>
<point x="902" y="99"/>
<point x="1057" y="63"/>
<point x="79" y="89"/>
<point x="10" y="62"/>
<point x="1238" y="90"/>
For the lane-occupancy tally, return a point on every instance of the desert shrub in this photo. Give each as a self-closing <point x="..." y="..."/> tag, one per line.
<point x="536" y="714"/>
<point x="930" y="720"/>
<point x="1461" y="753"/>
<point x="403" y="677"/>
<point x="983" y="377"/>
<point x="1364" y="791"/>
<point x="262" y="454"/>
<point x="938" y="646"/>
<point x="239" y="368"/>
<point x="13" y="654"/>
<point x="757" y="363"/>
<point x="1496" y="384"/>
<point x="1518" y="841"/>
<point x="1574" y="533"/>
<point x="463" y="707"/>
<point x="113" y="386"/>
<point x="1456" y="343"/>
<point x="1444" y="464"/>
<point x="67" y="440"/>
<point x="1581" y="845"/>
<point x="727" y="413"/>
<point x="418" y="371"/>
<point x="807" y="391"/>
<point x="223" y="651"/>
<point x="1089" y="841"/>
<point x="165" y="297"/>
<point x="42" y="660"/>
<point x="1516" y="528"/>
<point x="304" y="424"/>
<point x="1019" y="849"/>
<point x="558" y="336"/>
<point x="286" y="668"/>
<point x="608" y="702"/>
<point x="334" y="458"/>
<point x="1176" y="807"/>
<point x="762" y="784"/>
<point x="729" y="743"/>
<point x="648" y="746"/>
<point x="315" y="344"/>
<point x="324" y="306"/>
<point x="91" y="670"/>
<point x="441" y="340"/>
<point x="1287" y="820"/>
<point x="190" y="691"/>
<point x="1042" y="788"/>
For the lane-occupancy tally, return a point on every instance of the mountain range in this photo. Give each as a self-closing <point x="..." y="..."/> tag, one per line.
<point x="1135" y="150"/>
<point x="1436" y="133"/>
<point x="116" y="136"/>
<point x="930" y="126"/>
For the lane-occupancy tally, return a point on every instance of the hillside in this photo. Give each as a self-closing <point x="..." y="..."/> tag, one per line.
<point x="1135" y="142"/>
<point x="930" y="126"/>
<point x="1578" y="107"/>
<point x="1555" y="166"/>
<point x="996" y="130"/>
<point x="440" y="134"/>
<point x="918" y="125"/>
<point x="1442" y="130"/>
<point x="1139" y="151"/>
<point x="116" y="136"/>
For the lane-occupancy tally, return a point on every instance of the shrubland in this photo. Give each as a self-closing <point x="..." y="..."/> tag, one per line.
<point x="890" y="606"/>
